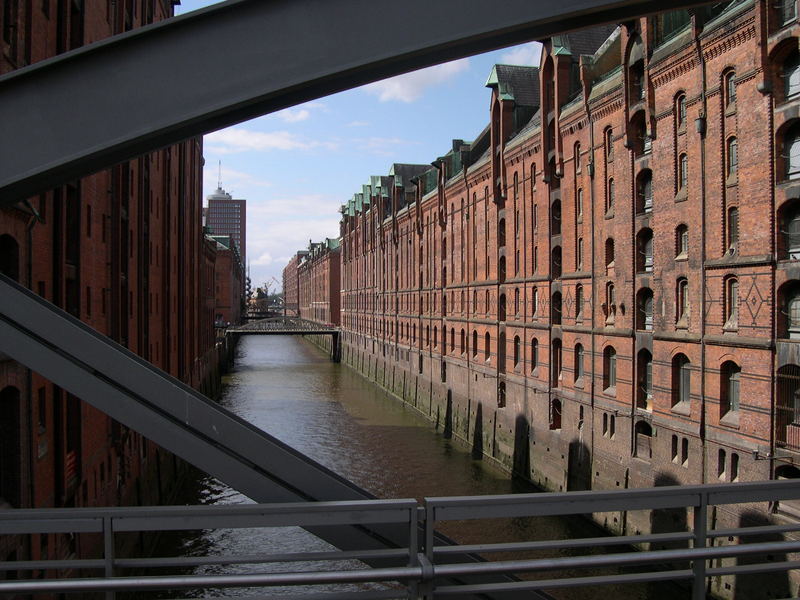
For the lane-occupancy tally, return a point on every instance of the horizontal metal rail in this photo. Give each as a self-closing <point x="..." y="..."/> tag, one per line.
<point x="420" y="568"/>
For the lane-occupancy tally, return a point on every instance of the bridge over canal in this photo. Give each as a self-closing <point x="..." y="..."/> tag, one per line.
<point x="289" y="326"/>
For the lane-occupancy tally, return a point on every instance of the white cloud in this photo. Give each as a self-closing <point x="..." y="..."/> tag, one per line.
<point x="411" y="86"/>
<point x="298" y="113"/>
<point x="525" y="54"/>
<point x="238" y="139"/>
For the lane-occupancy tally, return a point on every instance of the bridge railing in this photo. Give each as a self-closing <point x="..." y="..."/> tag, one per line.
<point x="420" y="567"/>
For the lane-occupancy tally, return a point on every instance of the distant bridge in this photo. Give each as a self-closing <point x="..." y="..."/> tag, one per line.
<point x="289" y="326"/>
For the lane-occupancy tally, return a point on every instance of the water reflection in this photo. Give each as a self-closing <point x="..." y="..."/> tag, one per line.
<point x="293" y="391"/>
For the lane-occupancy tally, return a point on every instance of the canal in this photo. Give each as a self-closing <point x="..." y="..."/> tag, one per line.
<point x="292" y="390"/>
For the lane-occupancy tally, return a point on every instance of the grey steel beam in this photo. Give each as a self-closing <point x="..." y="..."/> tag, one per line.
<point x="129" y="389"/>
<point x="109" y="101"/>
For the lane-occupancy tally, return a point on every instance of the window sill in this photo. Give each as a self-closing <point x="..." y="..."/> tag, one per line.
<point x="682" y="195"/>
<point x="730" y="109"/>
<point x="731" y="327"/>
<point x="731" y="181"/>
<point x="682" y="408"/>
<point x="683" y="323"/>
<point x="611" y="391"/>
<point x="682" y="257"/>
<point x="609" y="215"/>
<point x="730" y="419"/>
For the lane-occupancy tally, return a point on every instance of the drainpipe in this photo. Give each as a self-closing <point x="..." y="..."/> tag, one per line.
<point x="701" y="124"/>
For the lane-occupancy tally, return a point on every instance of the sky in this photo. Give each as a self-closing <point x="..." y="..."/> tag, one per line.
<point x="296" y="167"/>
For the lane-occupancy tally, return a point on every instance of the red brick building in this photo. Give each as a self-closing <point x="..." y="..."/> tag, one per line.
<point x="228" y="282"/>
<point x="291" y="285"/>
<point x="602" y="289"/>
<point x="319" y="283"/>
<point x="123" y="250"/>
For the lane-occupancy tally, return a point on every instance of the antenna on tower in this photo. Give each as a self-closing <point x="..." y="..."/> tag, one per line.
<point x="219" y="180"/>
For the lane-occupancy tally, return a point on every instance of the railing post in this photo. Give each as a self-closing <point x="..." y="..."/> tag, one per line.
<point x="108" y="553"/>
<point x="700" y="539"/>
<point x="412" y="588"/>
<point x="426" y="586"/>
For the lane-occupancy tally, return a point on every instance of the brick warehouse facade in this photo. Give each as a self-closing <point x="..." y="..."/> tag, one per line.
<point x="319" y="282"/>
<point x="598" y="292"/>
<point x="291" y="285"/>
<point x="124" y="251"/>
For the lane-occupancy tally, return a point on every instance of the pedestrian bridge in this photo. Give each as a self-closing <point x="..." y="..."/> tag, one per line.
<point x="284" y="326"/>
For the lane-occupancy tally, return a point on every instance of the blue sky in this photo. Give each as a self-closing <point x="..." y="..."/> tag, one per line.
<point x="296" y="167"/>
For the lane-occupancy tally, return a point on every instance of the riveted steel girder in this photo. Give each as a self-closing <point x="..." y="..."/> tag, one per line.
<point x="109" y="101"/>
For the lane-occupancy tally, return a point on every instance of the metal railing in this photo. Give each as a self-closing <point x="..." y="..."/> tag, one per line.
<point x="420" y="568"/>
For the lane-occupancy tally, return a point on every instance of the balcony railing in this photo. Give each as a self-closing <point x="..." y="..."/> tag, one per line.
<point x="421" y="568"/>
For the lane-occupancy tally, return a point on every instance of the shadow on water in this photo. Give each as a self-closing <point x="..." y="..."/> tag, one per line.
<point x="448" y="416"/>
<point x="477" y="436"/>
<point x="522" y="447"/>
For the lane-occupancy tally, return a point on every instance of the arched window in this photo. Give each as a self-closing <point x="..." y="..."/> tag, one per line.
<point x="555" y="414"/>
<point x="501" y="394"/>
<point x="682" y="299"/>
<point x="556" y="262"/>
<point x="731" y="302"/>
<point x="576" y="154"/>
<point x="729" y="374"/>
<point x="609" y="369"/>
<point x="555" y="316"/>
<point x="474" y="343"/>
<point x="487" y="346"/>
<point x="609" y="255"/>
<point x="578" y="367"/>
<point x="681" y="380"/>
<point x="681" y="241"/>
<point x="501" y="269"/>
<point x="501" y="233"/>
<point x="788" y="406"/>
<point x="789" y="220"/>
<point x="644" y="310"/>
<point x="501" y="308"/>
<point x="463" y="341"/>
<point x="9" y="257"/>
<point x="680" y="110"/>
<point x="516" y="350"/>
<point x="683" y="171"/>
<point x="791" y="152"/>
<point x="555" y="364"/>
<point x="435" y="337"/>
<point x="535" y="302"/>
<point x="452" y="339"/>
<point x="644" y="251"/>
<point x="732" y="156"/>
<point x="10" y="449"/>
<point x="729" y="86"/>
<point x="611" y="305"/>
<point x="555" y="221"/>
<point x="578" y="301"/>
<point x="501" y="351"/>
<point x="644" y="192"/>
<point x="579" y="203"/>
<point x="790" y="295"/>
<point x="610" y="195"/>
<point x="644" y="379"/>
<point x="534" y="354"/>
<point x="579" y="255"/>
<point x="608" y="140"/>
<point x="516" y="301"/>
<point x="791" y="71"/>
